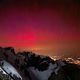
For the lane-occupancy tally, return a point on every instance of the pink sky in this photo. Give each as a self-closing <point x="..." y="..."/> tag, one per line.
<point x="42" y="29"/>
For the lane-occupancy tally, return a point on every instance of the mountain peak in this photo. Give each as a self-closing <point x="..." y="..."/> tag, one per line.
<point x="32" y="66"/>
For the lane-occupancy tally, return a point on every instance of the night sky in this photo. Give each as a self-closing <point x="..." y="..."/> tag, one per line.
<point x="49" y="27"/>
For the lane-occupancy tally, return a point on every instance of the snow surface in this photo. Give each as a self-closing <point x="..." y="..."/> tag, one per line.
<point x="2" y="70"/>
<point x="10" y="69"/>
<point x="44" y="75"/>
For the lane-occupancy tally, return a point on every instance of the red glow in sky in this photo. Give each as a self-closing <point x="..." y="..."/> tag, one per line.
<point x="41" y="28"/>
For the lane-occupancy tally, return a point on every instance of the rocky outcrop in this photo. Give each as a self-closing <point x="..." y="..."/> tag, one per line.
<point x="38" y="67"/>
<point x="60" y="76"/>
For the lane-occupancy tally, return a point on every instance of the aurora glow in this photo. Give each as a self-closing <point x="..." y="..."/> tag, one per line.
<point x="43" y="28"/>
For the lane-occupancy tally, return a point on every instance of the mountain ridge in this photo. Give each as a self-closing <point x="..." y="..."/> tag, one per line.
<point x="42" y="67"/>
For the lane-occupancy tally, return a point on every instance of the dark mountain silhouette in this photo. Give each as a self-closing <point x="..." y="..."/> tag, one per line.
<point x="38" y="67"/>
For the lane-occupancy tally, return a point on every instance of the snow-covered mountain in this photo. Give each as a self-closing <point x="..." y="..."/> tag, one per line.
<point x="38" y="67"/>
<point x="41" y="66"/>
